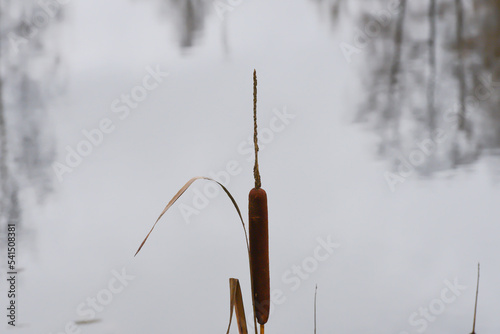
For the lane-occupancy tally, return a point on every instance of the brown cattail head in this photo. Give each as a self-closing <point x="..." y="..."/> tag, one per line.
<point x="259" y="252"/>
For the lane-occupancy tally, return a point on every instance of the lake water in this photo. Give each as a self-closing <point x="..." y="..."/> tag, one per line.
<point x="379" y="133"/>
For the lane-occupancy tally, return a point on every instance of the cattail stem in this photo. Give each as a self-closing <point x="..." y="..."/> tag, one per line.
<point x="256" y="173"/>
<point x="475" y="306"/>
<point x="258" y="233"/>
<point x="261" y="329"/>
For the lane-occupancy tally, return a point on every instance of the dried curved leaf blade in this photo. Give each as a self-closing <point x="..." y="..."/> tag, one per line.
<point x="236" y="304"/>
<point x="179" y="194"/>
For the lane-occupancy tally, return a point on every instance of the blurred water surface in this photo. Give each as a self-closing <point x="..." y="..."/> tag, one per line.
<point x="384" y="99"/>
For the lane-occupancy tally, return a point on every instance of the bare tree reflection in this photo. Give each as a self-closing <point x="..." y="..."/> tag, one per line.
<point x="487" y="48"/>
<point x="334" y="8"/>
<point x="188" y="17"/>
<point x="460" y="64"/>
<point x="28" y="67"/>
<point x="432" y="81"/>
<point x="390" y="113"/>
<point x="9" y="208"/>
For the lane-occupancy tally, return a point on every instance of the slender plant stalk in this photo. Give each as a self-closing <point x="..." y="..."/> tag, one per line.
<point x="259" y="233"/>
<point x="475" y="306"/>
<point x="256" y="176"/>
<point x="256" y="173"/>
<point x="315" y="295"/>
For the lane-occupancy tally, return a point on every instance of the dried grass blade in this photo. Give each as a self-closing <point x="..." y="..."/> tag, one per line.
<point x="236" y="304"/>
<point x="179" y="194"/>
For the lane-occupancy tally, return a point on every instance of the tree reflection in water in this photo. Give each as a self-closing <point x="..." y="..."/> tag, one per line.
<point x="188" y="17"/>
<point x="29" y="65"/>
<point x="431" y="78"/>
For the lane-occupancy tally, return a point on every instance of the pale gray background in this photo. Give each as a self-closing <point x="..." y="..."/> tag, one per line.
<point x="324" y="173"/>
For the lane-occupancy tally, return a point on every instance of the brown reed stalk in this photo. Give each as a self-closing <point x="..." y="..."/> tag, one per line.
<point x="258" y="234"/>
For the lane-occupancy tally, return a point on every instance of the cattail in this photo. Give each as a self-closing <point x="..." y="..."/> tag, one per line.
<point x="259" y="252"/>
<point x="259" y="236"/>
